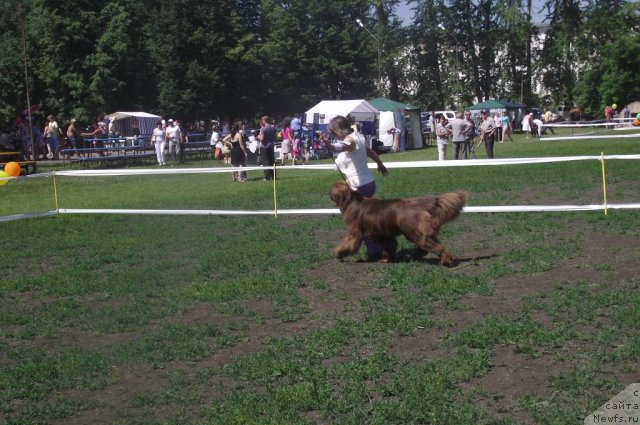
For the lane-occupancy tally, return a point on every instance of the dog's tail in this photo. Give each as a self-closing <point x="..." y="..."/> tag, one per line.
<point x="449" y="205"/>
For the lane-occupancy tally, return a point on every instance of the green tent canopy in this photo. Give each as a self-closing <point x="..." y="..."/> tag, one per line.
<point x="496" y="104"/>
<point x="400" y="115"/>
<point x="384" y="104"/>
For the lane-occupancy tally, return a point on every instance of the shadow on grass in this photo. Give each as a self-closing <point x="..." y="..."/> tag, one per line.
<point x="411" y="255"/>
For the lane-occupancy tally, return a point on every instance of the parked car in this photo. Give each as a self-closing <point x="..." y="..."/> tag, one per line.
<point x="424" y="122"/>
<point x="537" y="113"/>
<point x="448" y="115"/>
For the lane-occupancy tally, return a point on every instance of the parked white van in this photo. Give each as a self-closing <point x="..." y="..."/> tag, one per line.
<point x="449" y="115"/>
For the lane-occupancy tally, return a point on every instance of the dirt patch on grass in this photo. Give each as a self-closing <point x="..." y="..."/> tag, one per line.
<point x="339" y="289"/>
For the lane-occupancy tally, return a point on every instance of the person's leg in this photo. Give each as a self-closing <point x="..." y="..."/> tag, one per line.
<point x="234" y="174"/>
<point x="272" y="160"/>
<point x="488" y="145"/>
<point x="264" y="159"/>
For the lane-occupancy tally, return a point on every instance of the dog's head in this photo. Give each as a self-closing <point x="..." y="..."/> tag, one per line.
<point x="342" y="195"/>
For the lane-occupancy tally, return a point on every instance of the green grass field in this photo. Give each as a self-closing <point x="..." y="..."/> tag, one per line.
<point x="132" y="319"/>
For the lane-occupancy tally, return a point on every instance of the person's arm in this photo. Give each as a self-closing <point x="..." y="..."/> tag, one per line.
<point x="242" y="144"/>
<point x="92" y="134"/>
<point x="374" y="156"/>
<point x="343" y="146"/>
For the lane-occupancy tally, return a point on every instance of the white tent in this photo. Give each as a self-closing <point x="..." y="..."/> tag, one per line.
<point x="123" y="121"/>
<point x="634" y="107"/>
<point x="359" y="109"/>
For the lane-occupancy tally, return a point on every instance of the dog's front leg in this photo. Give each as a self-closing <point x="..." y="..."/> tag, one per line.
<point x="388" y="248"/>
<point x="348" y="246"/>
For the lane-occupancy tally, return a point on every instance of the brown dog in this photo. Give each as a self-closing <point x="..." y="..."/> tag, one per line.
<point x="380" y="220"/>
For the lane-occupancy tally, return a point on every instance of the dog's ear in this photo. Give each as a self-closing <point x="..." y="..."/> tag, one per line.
<point x="341" y="194"/>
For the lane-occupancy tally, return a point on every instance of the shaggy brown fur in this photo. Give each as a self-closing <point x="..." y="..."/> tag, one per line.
<point x="380" y="220"/>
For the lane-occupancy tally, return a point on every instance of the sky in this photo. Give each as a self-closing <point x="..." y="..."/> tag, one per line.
<point x="405" y="13"/>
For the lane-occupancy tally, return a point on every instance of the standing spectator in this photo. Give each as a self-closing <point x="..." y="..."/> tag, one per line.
<point x="135" y="127"/>
<point x="73" y="135"/>
<point x="52" y="135"/>
<point x="609" y="112"/>
<point x="215" y="140"/>
<point x="98" y="134"/>
<point x="173" y="136"/>
<point x="112" y="128"/>
<point x="267" y="138"/>
<point x="238" y="153"/>
<point x="487" y="130"/>
<point x="527" y="122"/>
<point x="297" y="148"/>
<point x="442" y="135"/>
<point x="470" y="135"/>
<point x="548" y="119"/>
<point x="159" y="142"/>
<point x="287" y="142"/>
<point x="296" y="127"/>
<point x="183" y="140"/>
<point x="458" y="127"/>
<point x="506" y="127"/>
<point x="395" y="133"/>
<point x="498" y="134"/>
<point x="351" y="160"/>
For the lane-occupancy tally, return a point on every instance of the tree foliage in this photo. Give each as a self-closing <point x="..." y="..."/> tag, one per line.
<point x="232" y="59"/>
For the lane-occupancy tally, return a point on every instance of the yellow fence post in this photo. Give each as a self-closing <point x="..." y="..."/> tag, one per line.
<point x="275" y="201"/>
<point x="55" y="191"/>
<point x="604" y="182"/>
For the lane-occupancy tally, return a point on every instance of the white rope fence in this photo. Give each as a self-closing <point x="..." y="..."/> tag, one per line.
<point x="617" y="125"/>
<point x="275" y="211"/>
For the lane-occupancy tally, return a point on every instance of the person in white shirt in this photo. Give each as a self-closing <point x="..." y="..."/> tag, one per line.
<point x="539" y="125"/>
<point x="351" y="152"/>
<point x="173" y="136"/>
<point x="158" y="140"/>
<point x="214" y="141"/>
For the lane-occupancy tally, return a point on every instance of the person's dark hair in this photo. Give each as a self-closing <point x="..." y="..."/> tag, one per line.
<point x="340" y="126"/>
<point x="234" y="129"/>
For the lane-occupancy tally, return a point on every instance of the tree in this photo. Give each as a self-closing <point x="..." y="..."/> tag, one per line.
<point x="429" y="89"/>
<point x="559" y="52"/>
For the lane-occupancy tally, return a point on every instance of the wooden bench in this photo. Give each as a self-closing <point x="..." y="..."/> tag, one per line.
<point x="24" y="165"/>
<point x="123" y="154"/>
<point x="200" y="149"/>
<point x="10" y="156"/>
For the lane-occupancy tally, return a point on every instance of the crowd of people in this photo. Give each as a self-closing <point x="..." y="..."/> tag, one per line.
<point x="467" y="132"/>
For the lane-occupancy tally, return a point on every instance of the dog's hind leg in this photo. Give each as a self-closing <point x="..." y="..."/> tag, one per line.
<point x="348" y="246"/>
<point x="446" y="259"/>
<point x="432" y="244"/>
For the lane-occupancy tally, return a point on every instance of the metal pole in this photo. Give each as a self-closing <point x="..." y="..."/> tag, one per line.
<point x="379" y="72"/>
<point x="359" y="22"/>
<point x="26" y="83"/>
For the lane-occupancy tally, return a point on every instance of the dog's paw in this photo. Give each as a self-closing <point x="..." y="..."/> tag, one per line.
<point x="450" y="262"/>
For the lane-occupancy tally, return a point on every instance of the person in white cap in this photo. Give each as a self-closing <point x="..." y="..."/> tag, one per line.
<point x="173" y="136"/>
